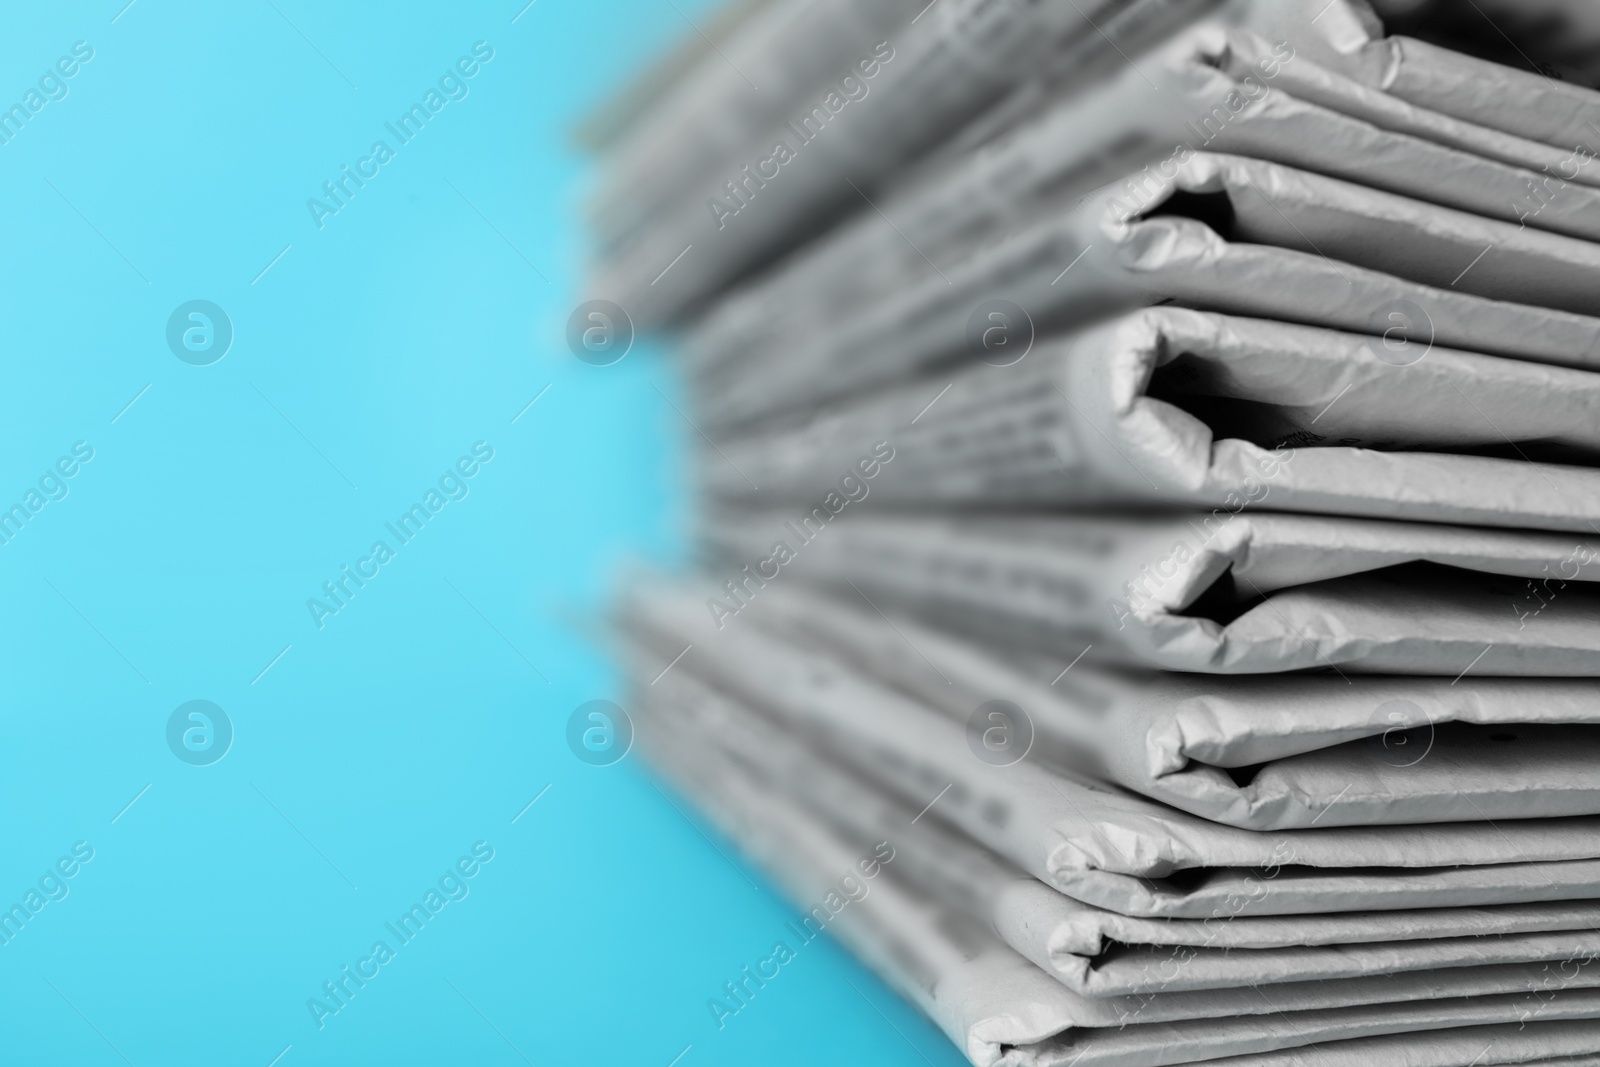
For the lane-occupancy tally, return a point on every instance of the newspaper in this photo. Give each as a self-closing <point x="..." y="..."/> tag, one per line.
<point x="1230" y="88"/>
<point x="1263" y="753"/>
<point x="1564" y="34"/>
<point x="781" y="55"/>
<point x="1195" y="408"/>
<point x="1069" y="940"/>
<point x="1474" y="90"/>
<point x="982" y="995"/>
<point x="1321" y="82"/>
<point x="1273" y="779"/>
<point x="985" y="997"/>
<point x="1554" y="1044"/>
<point x="1097" y="842"/>
<point x="1218" y="592"/>
<point x="941" y="71"/>
<point x="1341" y="225"/>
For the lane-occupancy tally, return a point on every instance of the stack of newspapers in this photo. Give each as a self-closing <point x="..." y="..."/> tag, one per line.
<point x="1148" y="457"/>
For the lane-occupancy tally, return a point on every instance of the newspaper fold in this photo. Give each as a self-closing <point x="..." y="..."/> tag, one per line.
<point x="936" y="74"/>
<point x="1073" y="941"/>
<point x="1220" y="232"/>
<point x="1265" y="752"/>
<point x="1220" y="592"/>
<point x="1008" y="209"/>
<point x="1473" y="90"/>
<point x="1099" y="843"/>
<point x="1221" y="412"/>
<point x="985" y="996"/>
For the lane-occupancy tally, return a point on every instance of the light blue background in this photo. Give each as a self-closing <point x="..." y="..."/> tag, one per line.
<point x="375" y="751"/>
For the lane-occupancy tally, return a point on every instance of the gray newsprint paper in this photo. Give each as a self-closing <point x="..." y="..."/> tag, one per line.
<point x="798" y="47"/>
<point x="1261" y="752"/>
<point x="1325" y="80"/>
<point x="930" y="77"/>
<point x="1095" y="841"/>
<point x="1214" y="411"/>
<point x="1473" y="90"/>
<point x="1210" y="678"/>
<point x="1221" y="208"/>
<point x="1228" y="592"/>
<point x="1008" y="221"/>
<point x="1097" y="953"/>
<point x="945" y="71"/>
<point x="990" y="1000"/>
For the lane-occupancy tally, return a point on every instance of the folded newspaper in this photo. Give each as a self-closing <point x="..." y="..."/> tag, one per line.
<point x="1524" y="103"/>
<point x="879" y="110"/>
<point x="1002" y="1009"/>
<point x="1086" y="836"/>
<point x="1266" y="752"/>
<point x="1247" y="236"/>
<point x="1007" y="221"/>
<point x="1194" y="408"/>
<point x="1099" y="953"/>
<point x="1219" y="591"/>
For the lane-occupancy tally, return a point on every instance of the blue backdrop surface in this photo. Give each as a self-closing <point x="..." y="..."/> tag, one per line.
<point x="224" y="388"/>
